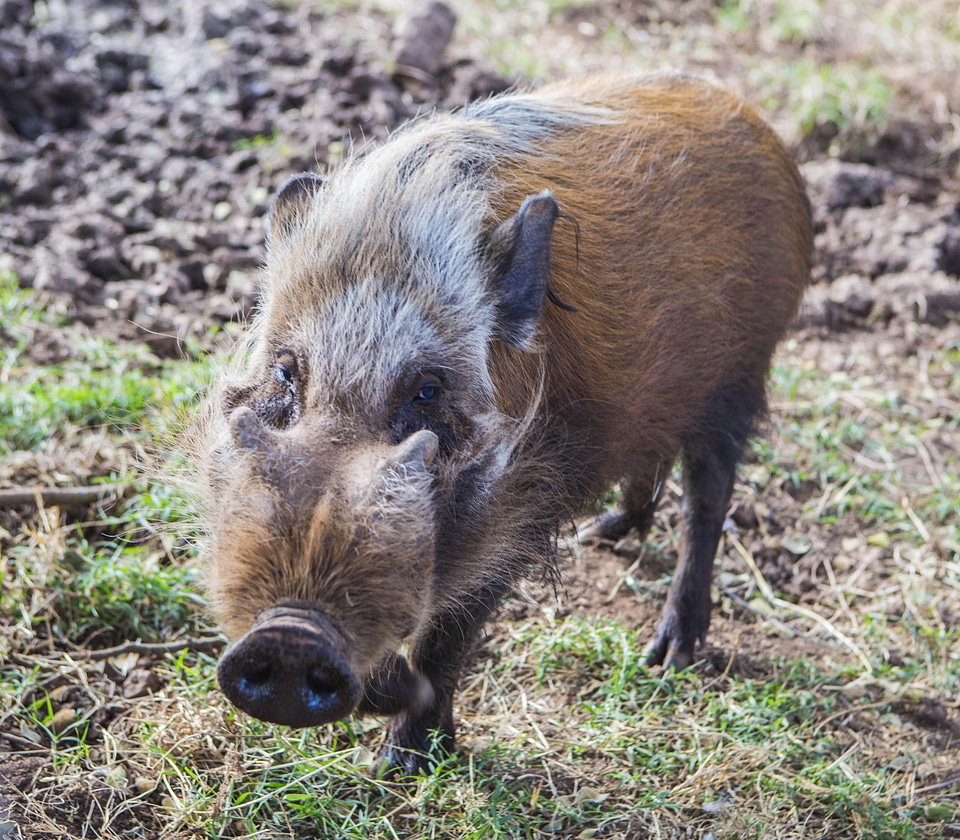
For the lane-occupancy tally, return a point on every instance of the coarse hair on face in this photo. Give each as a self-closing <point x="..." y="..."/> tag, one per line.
<point x="408" y="221"/>
<point x="344" y="529"/>
<point x="382" y="264"/>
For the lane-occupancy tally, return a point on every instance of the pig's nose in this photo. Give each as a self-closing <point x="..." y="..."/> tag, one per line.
<point x="288" y="670"/>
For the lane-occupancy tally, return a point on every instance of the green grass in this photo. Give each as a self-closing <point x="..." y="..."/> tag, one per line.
<point x="683" y="750"/>
<point x="787" y="22"/>
<point x="104" y="386"/>
<point x="854" y="443"/>
<point x="842" y="97"/>
<point x="92" y="391"/>
<point x="116" y="577"/>
<point x="117" y="389"/>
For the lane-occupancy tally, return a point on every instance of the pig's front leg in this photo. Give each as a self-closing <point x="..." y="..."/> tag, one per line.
<point x="394" y="688"/>
<point x="417" y="739"/>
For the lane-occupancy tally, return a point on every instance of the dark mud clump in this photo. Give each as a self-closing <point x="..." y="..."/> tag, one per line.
<point x="140" y="143"/>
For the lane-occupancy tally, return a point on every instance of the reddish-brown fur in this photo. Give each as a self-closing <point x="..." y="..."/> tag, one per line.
<point x="713" y="272"/>
<point x="676" y="264"/>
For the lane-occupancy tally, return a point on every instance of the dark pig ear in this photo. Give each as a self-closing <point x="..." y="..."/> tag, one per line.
<point x="291" y="203"/>
<point x="520" y="252"/>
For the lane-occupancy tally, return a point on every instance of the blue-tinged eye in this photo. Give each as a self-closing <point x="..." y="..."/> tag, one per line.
<point x="427" y="392"/>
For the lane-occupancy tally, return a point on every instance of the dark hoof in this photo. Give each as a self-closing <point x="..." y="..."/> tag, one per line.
<point x="395" y="764"/>
<point x="414" y="748"/>
<point x="672" y="656"/>
<point x="673" y="644"/>
<point x="611" y="526"/>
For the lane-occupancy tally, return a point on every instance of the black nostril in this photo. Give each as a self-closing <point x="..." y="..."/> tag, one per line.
<point x="257" y="675"/>
<point x="318" y="682"/>
<point x="321" y="691"/>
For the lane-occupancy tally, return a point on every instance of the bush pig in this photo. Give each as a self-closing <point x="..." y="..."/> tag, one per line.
<point x="464" y="336"/>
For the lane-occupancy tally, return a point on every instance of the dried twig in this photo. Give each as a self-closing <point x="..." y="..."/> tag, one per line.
<point x="24" y="744"/>
<point x="944" y="785"/>
<point x="61" y="496"/>
<point x="206" y="645"/>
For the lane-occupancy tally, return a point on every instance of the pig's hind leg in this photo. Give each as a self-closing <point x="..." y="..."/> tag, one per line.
<point x="639" y="496"/>
<point x="709" y="461"/>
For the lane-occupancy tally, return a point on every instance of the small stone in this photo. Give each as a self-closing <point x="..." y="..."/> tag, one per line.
<point x="141" y="682"/>
<point x="842" y="563"/>
<point x="59" y="694"/>
<point x="63" y="718"/>
<point x="797" y="544"/>
<point x="116" y="777"/>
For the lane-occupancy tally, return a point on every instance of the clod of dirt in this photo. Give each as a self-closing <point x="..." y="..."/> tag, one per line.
<point x="744" y="515"/>
<point x="18" y="775"/>
<point x="837" y="185"/>
<point x="921" y="297"/>
<point x="949" y="259"/>
<point x="888" y="248"/>
<point x="932" y="714"/>
<point x="424" y="39"/>
<point x="851" y="300"/>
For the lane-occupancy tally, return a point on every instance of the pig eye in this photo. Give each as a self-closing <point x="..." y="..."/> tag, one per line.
<point x="285" y="370"/>
<point x="284" y="373"/>
<point x="276" y="400"/>
<point x="427" y="392"/>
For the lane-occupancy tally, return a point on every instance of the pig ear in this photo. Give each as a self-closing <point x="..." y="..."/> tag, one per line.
<point x="520" y="248"/>
<point x="291" y="204"/>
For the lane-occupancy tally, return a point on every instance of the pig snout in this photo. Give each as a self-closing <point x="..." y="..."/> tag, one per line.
<point x="289" y="669"/>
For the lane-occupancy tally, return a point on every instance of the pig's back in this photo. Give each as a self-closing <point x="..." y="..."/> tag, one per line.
<point x="684" y="256"/>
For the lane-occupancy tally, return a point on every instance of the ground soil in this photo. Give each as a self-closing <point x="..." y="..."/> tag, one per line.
<point x="140" y="144"/>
